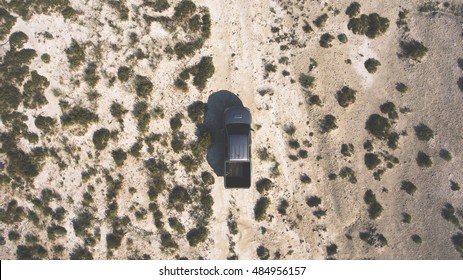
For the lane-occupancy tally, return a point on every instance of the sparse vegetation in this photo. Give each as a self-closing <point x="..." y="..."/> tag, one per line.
<point x="331" y="249"/>
<point x="264" y="185"/>
<point x="412" y="50"/>
<point x="353" y="9"/>
<point x="260" y="209"/>
<point x="423" y="132"/>
<point x="349" y="174"/>
<point x="423" y="160"/>
<point x="197" y="235"/>
<point x="371" y="25"/>
<point x="378" y="126"/>
<point x="78" y="115"/>
<point x="90" y="75"/>
<point x="313" y="201"/>
<point x="328" y="123"/>
<point x="18" y="39"/>
<point x="408" y="187"/>
<point x="445" y="155"/>
<point x="143" y="86"/>
<point x="389" y="109"/>
<point x="119" y="156"/>
<point x="416" y="238"/>
<point x="283" y="206"/>
<point x="448" y="213"/>
<point x="202" y="72"/>
<point x="320" y="21"/>
<point x="100" y="138"/>
<point x="401" y="87"/>
<point x="457" y="241"/>
<point x="325" y="40"/>
<point x="263" y="253"/>
<point x="306" y="81"/>
<point x="75" y="54"/>
<point x="342" y="38"/>
<point x="371" y="161"/>
<point x="406" y="218"/>
<point x="454" y="186"/>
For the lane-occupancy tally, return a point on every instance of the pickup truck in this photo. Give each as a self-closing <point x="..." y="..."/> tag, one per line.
<point x="237" y="126"/>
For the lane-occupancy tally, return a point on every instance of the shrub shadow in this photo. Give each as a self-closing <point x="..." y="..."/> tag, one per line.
<point x="213" y="119"/>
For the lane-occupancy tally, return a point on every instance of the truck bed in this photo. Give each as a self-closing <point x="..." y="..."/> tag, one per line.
<point x="237" y="174"/>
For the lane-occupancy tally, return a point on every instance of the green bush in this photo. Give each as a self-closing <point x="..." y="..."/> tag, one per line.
<point x="55" y="231"/>
<point x="371" y="25"/>
<point x="328" y="123"/>
<point x="176" y="225"/>
<point x="347" y="150"/>
<point x="140" y="112"/>
<point x="78" y="115"/>
<point x="457" y="241"/>
<point x="117" y="110"/>
<point x="342" y="38"/>
<point x="196" y="112"/>
<point x="75" y="54"/>
<point x="294" y="144"/>
<point x="375" y="208"/>
<point x="423" y="132"/>
<point x="454" y="186"/>
<point x="81" y="253"/>
<point x="264" y="185"/>
<point x="90" y="75"/>
<point x="448" y="213"/>
<point x="371" y="161"/>
<point x="315" y="100"/>
<point x="232" y="227"/>
<point x="45" y="58"/>
<point x="325" y="40"/>
<point x="378" y="126"/>
<point x="178" y="141"/>
<point x="18" y="39"/>
<point x="69" y="13"/>
<point x="32" y="252"/>
<point x="353" y="10"/>
<point x="167" y="241"/>
<point x="34" y="90"/>
<point x="263" y="253"/>
<point x="124" y="73"/>
<point x="156" y="185"/>
<point x="408" y="187"/>
<point x="119" y="156"/>
<point x="7" y="21"/>
<point x="143" y="86"/>
<point x="389" y="109"/>
<point x="176" y="122"/>
<point x="349" y="174"/>
<point x="306" y="81"/>
<point x="413" y="50"/>
<point x="320" y="21"/>
<point x="207" y="178"/>
<point x="307" y="28"/>
<point x="10" y="97"/>
<point x="184" y="9"/>
<point x="101" y="138"/>
<point x="423" y="160"/>
<point x="82" y="222"/>
<point x="304" y="178"/>
<point x="331" y="249"/>
<point x="371" y="65"/>
<point x="345" y="96"/>
<point x="260" y="209"/>
<point x="13" y="235"/>
<point x="401" y="87"/>
<point x="313" y="201"/>
<point x="202" y="72"/>
<point x="158" y="5"/>
<point x="178" y="197"/>
<point x="283" y="206"/>
<point x="197" y="235"/>
<point x="406" y="218"/>
<point x="181" y="85"/>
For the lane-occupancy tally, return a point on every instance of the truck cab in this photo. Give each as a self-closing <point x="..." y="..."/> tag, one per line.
<point x="237" y="128"/>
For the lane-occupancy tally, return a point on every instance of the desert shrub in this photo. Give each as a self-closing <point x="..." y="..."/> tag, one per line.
<point x="260" y="209"/>
<point x="143" y="86"/>
<point x="457" y="241"/>
<point x="69" y="13"/>
<point x="167" y="241"/>
<point x="124" y="73"/>
<point x="120" y="7"/>
<point x="156" y="167"/>
<point x="423" y="160"/>
<point x="454" y="186"/>
<point x="353" y="9"/>
<point x="25" y="165"/>
<point x="378" y="126"/>
<point x="113" y="241"/>
<point x="13" y="235"/>
<point x="119" y="156"/>
<point x="34" y="91"/>
<point x="345" y="96"/>
<point x="303" y="153"/>
<point x="401" y="87"/>
<point x="117" y="110"/>
<point x="55" y="231"/>
<point x="7" y="21"/>
<point x="416" y="238"/>
<point x="413" y="50"/>
<point x="78" y="115"/>
<point x="263" y="253"/>
<point x="406" y="218"/>
<point x="202" y="72"/>
<point x="207" y="178"/>
<point x="347" y="150"/>
<point x="448" y="213"/>
<point x="197" y="235"/>
<point x="331" y="249"/>
<point x="196" y="111"/>
<point x="75" y="54"/>
<point x="283" y="206"/>
<point x="290" y="129"/>
<point x="325" y="40"/>
<point x="342" y="38"/>
<point x="157" y="5"/>
<point x="371" y="25"/>
<point x="59" y="214"/>
<point x="18" y="39"/>
<point x="176" y="225"/>
<point x="10" y="97"/>
<point x="32" y="252"/>
<point x="445" y="155"/>
<point x="232" y="226"/>
<point x="375" y="208"/>
<point x="179" y="196"/>
<point x="460" y="84"/>
<point x="306" y="81"/>
<point x="2" y="241"/>
<point x="176" y="121"/>
<point x="349" y="174"/>
<point x="184" y="9"/>
<point x="44" y="123"/>
<point x="423" y="132"/>
<point x="264" y="185"/>
<point x="371" y="161"/>
<point x="315" y="100"/>
<point x="371" y="65"/>
<point x="306" y="27"/>
<point x="320" y="21"/>
<point x="389" y="109"/>
<point x="82" y="222"/>
<point x="332" y="176"/>
<point x="177" y="142"/>
<point x="313" y="201"/>
<point x="140" y="112"/>
<point x="81" y="253"/>
<point x="100" y="138"/>
<point x="408" y="187"/>
<point x="90" y="75"/>
<point x="294" y="144"/>
<point x="328" y="123"/>
<point x="156" y="185"/>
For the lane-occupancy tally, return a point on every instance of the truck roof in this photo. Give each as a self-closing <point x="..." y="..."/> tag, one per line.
<point x="238" y="147"/>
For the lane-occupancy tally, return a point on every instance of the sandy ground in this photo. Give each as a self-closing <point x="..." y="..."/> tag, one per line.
<point x="242" y="43"/>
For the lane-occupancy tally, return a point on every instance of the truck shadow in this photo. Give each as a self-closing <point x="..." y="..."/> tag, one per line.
<point x="213" y="119"/>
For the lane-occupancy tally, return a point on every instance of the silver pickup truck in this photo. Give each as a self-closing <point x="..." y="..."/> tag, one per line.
<point x="237" y="147"/>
